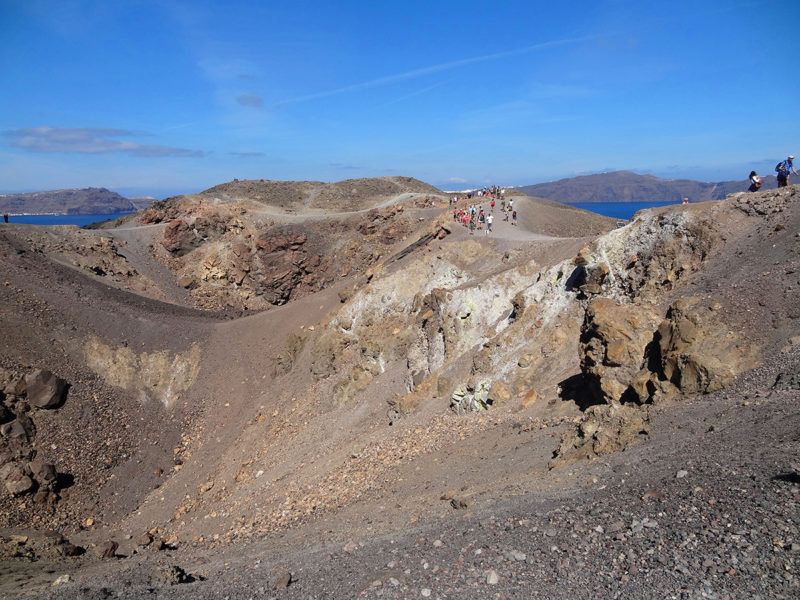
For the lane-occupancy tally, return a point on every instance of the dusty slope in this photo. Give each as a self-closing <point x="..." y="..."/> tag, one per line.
<point x="296" y="444"/>
<point x="309" y="197"/>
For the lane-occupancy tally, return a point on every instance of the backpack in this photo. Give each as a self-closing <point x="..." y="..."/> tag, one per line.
<point x="779" y="167"/>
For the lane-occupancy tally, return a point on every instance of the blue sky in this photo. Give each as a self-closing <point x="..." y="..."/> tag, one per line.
<point x="168" y="97"/>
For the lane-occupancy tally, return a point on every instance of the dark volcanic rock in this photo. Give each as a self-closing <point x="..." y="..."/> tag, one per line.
<point x="44" y="389"/>
<point x="107" y="549"/>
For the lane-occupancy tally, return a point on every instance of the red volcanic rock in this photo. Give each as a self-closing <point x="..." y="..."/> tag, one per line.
<point x="178" y="237"/>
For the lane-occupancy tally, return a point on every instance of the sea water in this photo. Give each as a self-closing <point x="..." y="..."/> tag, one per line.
<point x="617" y="210"/>
<point x="79" y="220"/>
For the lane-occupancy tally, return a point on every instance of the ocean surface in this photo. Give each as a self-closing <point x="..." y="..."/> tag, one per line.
<point x="617" y="210"/>
<point x="79" y="220"/>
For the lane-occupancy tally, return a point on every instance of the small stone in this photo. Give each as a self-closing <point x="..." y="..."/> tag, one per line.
<point x="173" y="575"/>
<point x="653" y="495"/>
<point x="394" y="581"/>
<point x="107" y="549"/>
<point x="517" y="555"/>
<point x="426" y="592"/>
<point x="18" y="487"/>
<point x="492" y="578"/>
<point x="681" y="474"/>
<point x="458" y="503"/>
<point x="350" y="547"/>
<point x="66" y="548"/>
<point x="615" y="527"/>
<point x="61" y="580"/>
<point x="284" y="582"/>
<point x="650" y="523"/>
<point x="437" y="543"/>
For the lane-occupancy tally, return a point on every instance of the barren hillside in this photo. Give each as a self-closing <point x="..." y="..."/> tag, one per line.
<point x="334" y="390"/>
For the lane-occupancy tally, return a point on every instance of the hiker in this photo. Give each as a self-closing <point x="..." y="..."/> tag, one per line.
<point x="755" y="182"/>
<point x="489" y="220"/>
<point x="514" y="218"/>
<point x="784" y="170"/>
<point x="5" y="218"/>
<point x="685" y="201"/>
<point x="492" y="204"/>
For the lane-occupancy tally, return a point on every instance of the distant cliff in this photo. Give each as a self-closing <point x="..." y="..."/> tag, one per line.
<point x="84" y="201"/>
<point x="626" y="186"/>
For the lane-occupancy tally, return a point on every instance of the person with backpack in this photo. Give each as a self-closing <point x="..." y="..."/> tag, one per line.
<point x="785" y="169"/>
<point x="755" y="182"/>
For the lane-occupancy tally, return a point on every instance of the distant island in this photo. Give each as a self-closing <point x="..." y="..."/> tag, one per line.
<point x="82" y="201"/>
<point x="626" y="186"/>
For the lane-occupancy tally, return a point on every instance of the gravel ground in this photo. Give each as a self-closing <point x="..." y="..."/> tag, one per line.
<point x="707" y="508"/>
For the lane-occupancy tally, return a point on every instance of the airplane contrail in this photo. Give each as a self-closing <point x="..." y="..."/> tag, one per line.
<point x="432" y="69"/>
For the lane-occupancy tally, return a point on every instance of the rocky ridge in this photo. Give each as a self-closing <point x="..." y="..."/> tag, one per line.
<point x="351" y="408"/>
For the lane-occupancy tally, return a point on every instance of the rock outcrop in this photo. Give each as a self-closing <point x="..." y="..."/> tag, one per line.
<point x="613" y="341"/>
<point x="22" y="469"/>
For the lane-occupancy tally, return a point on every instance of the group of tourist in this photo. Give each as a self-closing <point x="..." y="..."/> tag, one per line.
<point x="784" y="169"/>
<point x="475" y="217"/>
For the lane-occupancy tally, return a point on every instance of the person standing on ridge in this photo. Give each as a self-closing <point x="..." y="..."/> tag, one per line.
<point x="755" y="182"/>
<point x="784" y="170"/>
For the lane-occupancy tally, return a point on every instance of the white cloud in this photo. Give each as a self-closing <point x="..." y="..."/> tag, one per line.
<point x="89" y="140"/>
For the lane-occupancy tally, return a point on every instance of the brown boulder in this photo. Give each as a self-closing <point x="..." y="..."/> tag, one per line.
<point x="44" y="473"/>
<point x="44" y="389"/>
<point x="15" y="386"/>
<point x="107" y="549"/>
<point x="16" y="480"/>
<point x="612" y="349"/>
<point x="178" y="237"/>
<point x="694" y="353"/>
<point x="604" y="429"/>
<point x="14" y="431"/>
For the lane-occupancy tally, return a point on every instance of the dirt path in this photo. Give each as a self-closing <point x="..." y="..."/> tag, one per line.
<point x="135" y="250"/>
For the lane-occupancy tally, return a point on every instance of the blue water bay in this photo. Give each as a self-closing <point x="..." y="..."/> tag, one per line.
<point x="79" y="220"/>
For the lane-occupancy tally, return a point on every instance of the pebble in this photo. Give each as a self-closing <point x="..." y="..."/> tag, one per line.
<point x="492" y="578"/>
<point x="426" y="592"/>
<point x="517" y="555"/>
<point x="681" y="474"/>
